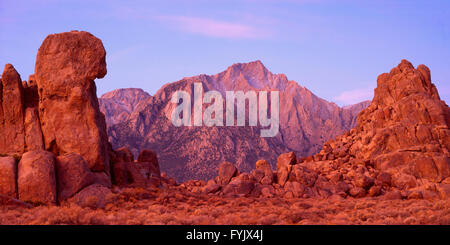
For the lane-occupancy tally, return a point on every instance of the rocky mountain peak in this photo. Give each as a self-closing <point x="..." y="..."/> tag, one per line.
<point x="251" y="75"/>
<point x="250" y="67"/>
<point x="306" y="122"/>
<point x="123" y="92"/>
<point x="402" y="90"/>
<point x="402" y="81"/>
<point x="118" y="104"/>
<point x="405" y="130"/>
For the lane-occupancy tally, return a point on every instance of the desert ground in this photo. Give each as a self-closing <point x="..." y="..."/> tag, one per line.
<point x="176" y="206"/>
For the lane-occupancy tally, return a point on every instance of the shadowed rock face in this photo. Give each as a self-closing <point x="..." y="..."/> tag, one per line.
<point x="66" y="66"/>
<point x="306" y="122"/>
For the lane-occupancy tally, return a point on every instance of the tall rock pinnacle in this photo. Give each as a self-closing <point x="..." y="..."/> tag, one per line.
<point x="66" y="66"/>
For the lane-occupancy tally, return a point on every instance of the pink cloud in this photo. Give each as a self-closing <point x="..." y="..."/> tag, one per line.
<point x="214" y="28"/>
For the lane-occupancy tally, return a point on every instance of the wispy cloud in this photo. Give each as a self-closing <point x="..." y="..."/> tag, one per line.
<point x="214" y="28"/>
<point x="354" y="96"/>
<point x="123" y="53"/>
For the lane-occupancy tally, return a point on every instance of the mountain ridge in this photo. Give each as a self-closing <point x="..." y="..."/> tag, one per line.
<point x="306" y="122"/>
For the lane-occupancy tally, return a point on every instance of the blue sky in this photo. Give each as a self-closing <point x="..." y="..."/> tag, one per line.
<point x="334" y="48"/>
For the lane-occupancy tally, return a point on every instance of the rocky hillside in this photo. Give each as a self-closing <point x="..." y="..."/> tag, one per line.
<point x="399" y="150"/>
<point x="306" y="122"/>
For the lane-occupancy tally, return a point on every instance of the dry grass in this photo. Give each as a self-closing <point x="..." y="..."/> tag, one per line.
<point x="177" y="206"/>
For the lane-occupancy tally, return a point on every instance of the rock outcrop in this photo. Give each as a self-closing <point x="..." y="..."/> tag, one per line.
<point x="12" y="137"/>
<point x="66" y="66"/>
<point x="55" y="115"/>
<point x="19" y="117"/>
<point x="399" y="149"/>
<point x="404" y="131"/>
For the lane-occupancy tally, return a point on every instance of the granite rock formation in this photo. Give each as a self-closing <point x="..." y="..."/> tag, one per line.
<point x="12" y="137"/>
<point x="66" y="66"/>
<point x="53" y="141"/>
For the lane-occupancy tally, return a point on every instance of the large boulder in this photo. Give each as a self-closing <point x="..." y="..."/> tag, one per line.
<point x="94" y="196"/>
<point x="73" y="174"/>
<point x="36" y="177"/>
<point x="8" y="170"/>
<point x="303" y="175"/>
<point x="239" y="186"/>
<point x="284" y="166"/>
<point x="226" y="171"/>
<point x="262" y="166"/>
<point x="12" y="136"/>
<point x="66" y="66"/>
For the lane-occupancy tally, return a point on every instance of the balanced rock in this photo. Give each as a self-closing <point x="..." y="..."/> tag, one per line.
<point x="8" y="170"/>
<point x="66" y="66"/>
<point x="36" y="177"/>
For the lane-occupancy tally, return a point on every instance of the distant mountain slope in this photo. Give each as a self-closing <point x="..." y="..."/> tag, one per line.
<point x="117" y="105"/>
<point x="306" y="122"/>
